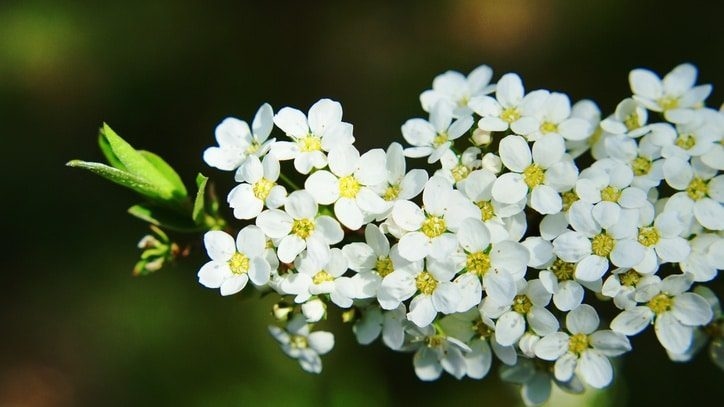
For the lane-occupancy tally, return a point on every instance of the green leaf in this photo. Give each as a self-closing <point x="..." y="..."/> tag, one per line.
<point x="199" y="213"/>
<point x="163" y="217"/>
<point x="109" y="154"/>
<point x="120" y="177"/>
<point x="168" y="172"/>
<point x="136" y="164"/>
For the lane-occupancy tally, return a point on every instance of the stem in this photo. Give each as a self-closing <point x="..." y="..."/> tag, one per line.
<point x="289" y="182"/>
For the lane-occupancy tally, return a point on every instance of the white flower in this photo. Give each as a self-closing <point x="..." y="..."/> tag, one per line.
<point x="511" y="107"/>
<point x="477" y="188"/>
<point x="583" y="352"/>
<point x="627" y="286"/>
<point x="373" y="261"/>
<point x="643" y="156"/>
<point x="591" y="246"/>
<point x="314" y="310"/>
<point x="373" y="321"/>
<point x="701" y="195"/>
<point x="499" y="264"/>
<point x="456" y="167"/>
<point x="437" y="352"/>
<point x="435" y="292"/>
<point x="674" y="311"/>
<point x="320" y="131"/>
<point x="297" y="224"/>
<point x="536" y="381"/>
<point x="529" y="304"/>
<point x="432" y="138"/>
<point x="546" y="171"/>
<point x="675" y="95"/>
<point x="234" y="263"/>
<point x="706" y="257"/>
<point x="297" y="342"/>
<point x="629" y="119"/>
<point x="559" y="279"/>
<point x="606" y="185"/>
<point x="662" y="242"/>
<point x="427" y="231"/>
<point x="320" y="271"/>
<point x="694" y="138"/>
<point x="455" y="90"/>
<point x="258" y="187"/>
<point x="236" y="141"/>
<point x="347" y="186"/>
<point x="399" y="184"/>
<point x="554" y="116"/>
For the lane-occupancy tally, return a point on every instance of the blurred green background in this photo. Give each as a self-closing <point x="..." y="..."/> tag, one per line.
<point x="79" y="330"/>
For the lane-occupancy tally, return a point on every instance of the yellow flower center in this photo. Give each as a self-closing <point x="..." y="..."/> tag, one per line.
<point x="648" y="236"/>
<point x="568" y="198"/>
<point x="533" y="175"/>
<point x="685" y="141"/>
<point x="391" y="192"/>
<point x="641" y="166"/>
<point x="440" y="139"/>
<point x="660" y="303"/>
<point x="668" y="102"/>
<point x="602" y="244"/>
<point x="384" y="266"/>
<point x="459" y="172"/>
<point x="303" y="227"/>
<point x="478" y="263"/>
<point x="522" y="304"/>
<point x="349" y="186"/>
<point x="482" y="329"/>
<point x="578" y="343"/>
<point x="563" y="270"/>
<point x="253" y="147"/>
<point x="486" y="210"/>
<point x="548" y="127"/>
<point x="310" y="143"/>
<point x="610" y="194"/>
<point x="510" y="115"/>
<point x="322" y="277"/>
<point x="433" y="226"/>
<point x="426" y="283"/>
<point x="298" y="342"/>
<point x="434" y="341"/>
<point x="629" y="278"/>
<point x="239" y="263"/>
<point x="697" y="189"/>
<point x="632" y="121"/>
<point x="262" y="188"/>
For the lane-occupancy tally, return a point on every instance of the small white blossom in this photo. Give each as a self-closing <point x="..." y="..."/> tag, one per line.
<point x="259" y="187"/>
<point x="455" y="89"/>
<point x="298" y="343"/>
<point x="234" y="263"/>
<point x="431" y="138"/>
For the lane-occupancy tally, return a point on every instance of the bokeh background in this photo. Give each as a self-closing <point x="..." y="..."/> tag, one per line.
<point x="78" y="330"/>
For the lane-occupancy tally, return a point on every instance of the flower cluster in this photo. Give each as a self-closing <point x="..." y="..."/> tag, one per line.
<point x="535" y="231"/>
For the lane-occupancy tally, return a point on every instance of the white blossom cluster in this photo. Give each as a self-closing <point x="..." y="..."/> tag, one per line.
<point x="537" y="216"/>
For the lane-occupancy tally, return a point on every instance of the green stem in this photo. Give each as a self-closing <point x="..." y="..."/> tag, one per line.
<point x="289" y="182"/>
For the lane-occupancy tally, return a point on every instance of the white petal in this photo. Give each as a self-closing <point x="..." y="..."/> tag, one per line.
<point x="553" y="346"/>
<point x="348" y="213"/>
<point x="709" y="213"/>
<point x="292" y="121"/>
<point x="323" y="186"/>
<point x="251" y="241"/>
<point x="289" y="247"/>
<point x="509" y="328"/>
<point x="548" y="151"/>
<point x="515" y="153"/>
<point x="343" y="160"/>
<point x="568" y="296"/>
<point x="632" y="321"/>
<point x="213" y="273"/>
<point x="473" y="236"/>
<point x="591" y="268"/>
<point x="219" y="245"/>
<point x="509" y="188"/>
<point x="414" y="246"/>
<point x="275" y="223"/>
<point x="542" y="321"/>
<point x="610" y="343"/>
<point x="408" y="215"/>
<point x="422" y="311"/>
<point x="545" y="200"/>
<point x="324" y="114"/>
<point x="674" y="336"/>
<point x="595" y="369"/>
<point x="565" y="366"/>
<point x="301" y="204"/>
<point x="627" y="253"/>
<point x="583" y="319"/>
<point x="322" y="342"/>
<point x="427" y="367"/>
<point x="691" y="309"/>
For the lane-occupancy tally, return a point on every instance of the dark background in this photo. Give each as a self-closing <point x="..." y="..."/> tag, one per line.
<point x="79" y="330"/>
